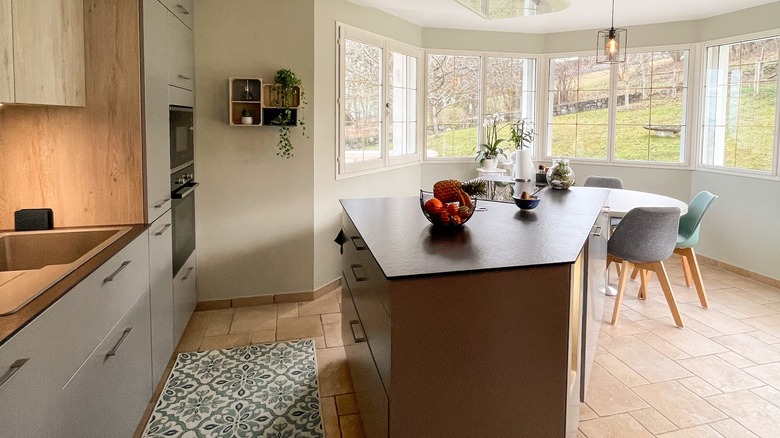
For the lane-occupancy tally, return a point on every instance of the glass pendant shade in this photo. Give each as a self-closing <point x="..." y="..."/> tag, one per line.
<point x="611" y="46"/>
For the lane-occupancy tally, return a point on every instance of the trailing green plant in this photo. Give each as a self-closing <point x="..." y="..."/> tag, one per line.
<point x="521" y="134"/>
<point x="285" y="83"/>
<point x="490" y="149"/>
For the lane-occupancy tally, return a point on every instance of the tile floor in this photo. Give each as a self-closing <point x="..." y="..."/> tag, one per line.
<point x="717" y="377"/>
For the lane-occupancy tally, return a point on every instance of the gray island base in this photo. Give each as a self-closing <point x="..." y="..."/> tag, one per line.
<point x="485" y="331"/>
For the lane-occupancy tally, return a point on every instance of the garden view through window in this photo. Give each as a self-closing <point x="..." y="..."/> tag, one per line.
<point x="362" y="101"/>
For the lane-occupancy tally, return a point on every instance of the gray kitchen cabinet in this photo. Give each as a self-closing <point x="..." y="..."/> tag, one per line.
<point x="184" y="10"/>
<point x="42" y="52"/>
<point x="181" y="56"/>
<point x="157" y="135"/>
<point x="43" y="357"/>
<point x="184" y="295"/>
<point x="161" y="292"/>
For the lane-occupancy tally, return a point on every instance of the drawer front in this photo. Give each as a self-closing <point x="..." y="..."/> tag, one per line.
<point x="184" y="296"/>
<point x="369" y="391"/>
<point x="184" y="10"/>
<point x="109" y="393"/>
<point x="161" y="292"/>
<point x="354" y="249"/>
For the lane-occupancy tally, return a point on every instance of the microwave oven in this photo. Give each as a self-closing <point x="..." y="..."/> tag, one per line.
<point x="182" y="138"/>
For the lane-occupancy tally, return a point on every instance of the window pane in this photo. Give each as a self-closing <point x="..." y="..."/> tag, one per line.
<point x="452" y="105"/>
<point x="402" y="106"/>
<point x="362" y="101"/>
<point x="740" y="104"/>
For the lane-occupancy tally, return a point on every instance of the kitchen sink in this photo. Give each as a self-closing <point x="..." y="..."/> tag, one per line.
<point x="32" y="261"/>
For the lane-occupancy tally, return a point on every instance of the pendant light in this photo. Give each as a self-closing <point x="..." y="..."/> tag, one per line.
<point x="611" y="43"/>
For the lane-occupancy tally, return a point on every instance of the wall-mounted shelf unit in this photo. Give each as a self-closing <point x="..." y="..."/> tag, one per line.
<point x="246" y="93"/>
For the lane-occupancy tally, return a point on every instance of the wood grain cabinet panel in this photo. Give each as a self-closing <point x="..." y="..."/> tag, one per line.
<point x="6" y="53"/>
<point x="49" y="61"/>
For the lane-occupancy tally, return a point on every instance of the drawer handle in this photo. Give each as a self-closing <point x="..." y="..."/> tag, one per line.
<point x="182" y="9"/>
<point x="360" y="247"/>
<point x="597" y="233"/>
<point x="119" y="343"/>
<point x="361" y="276"/>
<point x="184" y="77"/>
<point x="113" y="276"/>
<point x="164" y="229"/>
<point x="161" y="203"/>
<point x="187" y="274"/>
<point x="358" y="338"/>
<point x="16" y="366"/>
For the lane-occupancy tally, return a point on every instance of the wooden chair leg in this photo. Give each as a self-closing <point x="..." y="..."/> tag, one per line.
<point x="660" y="271"/>
<point x="644" y="275"/>
<point x="622" y="279"/>
<point x="634" y="273"/>
<point x="686" y="270"/>
<point x="690" y="257"/>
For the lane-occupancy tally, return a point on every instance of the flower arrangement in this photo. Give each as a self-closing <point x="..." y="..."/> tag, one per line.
<point x="490" y="149"/>
<point x="521" y="134"/>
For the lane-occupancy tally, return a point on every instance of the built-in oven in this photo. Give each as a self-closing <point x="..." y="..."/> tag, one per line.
<point x="182" y="137"/>
<point x="183" y="187"/>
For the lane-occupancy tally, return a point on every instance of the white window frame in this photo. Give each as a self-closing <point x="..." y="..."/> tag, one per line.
<point x="483" y="55"/>
<point x="774" y="174"/>
<point x="344" y="169"/>
<point x="689" y="110"/>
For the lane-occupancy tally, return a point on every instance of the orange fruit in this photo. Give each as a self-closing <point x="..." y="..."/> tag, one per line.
<point x="433" y="206"/>
<point x="452" y="208"/>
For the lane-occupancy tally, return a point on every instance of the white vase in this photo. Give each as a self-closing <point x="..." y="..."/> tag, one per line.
<point x="246" y="120"/>
<point x="489" y="164"/>
<point x="524" y="165"/>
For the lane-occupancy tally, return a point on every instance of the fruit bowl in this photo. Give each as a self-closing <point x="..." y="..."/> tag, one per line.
<point x="441" y="214"/>
<point x="528" y="203"/>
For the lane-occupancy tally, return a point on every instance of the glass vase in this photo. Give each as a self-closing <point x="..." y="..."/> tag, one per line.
<point x="560" y="175"/>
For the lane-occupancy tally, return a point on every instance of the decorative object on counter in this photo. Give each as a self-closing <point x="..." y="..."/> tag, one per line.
<point x="560" y="176"/>
<point x="33" y="219"/>
<point x="221" y="386"/>
<point x="526" y="201"/>
<point x="284" y="93"/>
<point x="452" y="202"/>
<point x="521" y="135"/>
<point x="489" y="152"/>
<point x="246" y="116"/>
<point x="541" y="175"/>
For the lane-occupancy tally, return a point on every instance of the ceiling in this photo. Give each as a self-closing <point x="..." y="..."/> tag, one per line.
<point x="581" y="15"/>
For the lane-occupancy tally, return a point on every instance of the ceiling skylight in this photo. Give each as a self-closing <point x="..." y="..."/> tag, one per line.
<point x="497" y="9"/>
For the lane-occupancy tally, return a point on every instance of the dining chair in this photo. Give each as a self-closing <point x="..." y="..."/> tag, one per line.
<point x="688" y="237"/>
<point x="643" y="239"/>
<point x="607" y="182"/>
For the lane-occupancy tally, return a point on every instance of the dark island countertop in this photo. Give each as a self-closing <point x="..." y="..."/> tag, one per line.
<point x="405" y="244"/>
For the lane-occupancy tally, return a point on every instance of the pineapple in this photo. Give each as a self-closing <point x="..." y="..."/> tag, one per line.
<point x="452" y="190"/>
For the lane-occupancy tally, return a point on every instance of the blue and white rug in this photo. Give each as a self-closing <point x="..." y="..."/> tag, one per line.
<point x="265" y="390"/>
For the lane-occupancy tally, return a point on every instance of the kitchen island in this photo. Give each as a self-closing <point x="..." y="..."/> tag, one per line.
<point x="488" y="330"/>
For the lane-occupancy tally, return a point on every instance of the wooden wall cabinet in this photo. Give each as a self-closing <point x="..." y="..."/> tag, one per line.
<point x="245" y="94"/>
<point x="42" y="52"/>
<point x="181" y="60"/>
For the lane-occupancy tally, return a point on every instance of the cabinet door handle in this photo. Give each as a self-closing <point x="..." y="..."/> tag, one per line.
<point x="187" y="274"/>
<point x="16" y="366"/>
<point x="358" y="338"/>
<point x="182" y="9"/>
<point x="113" y="276"/>
<point x="361" y="276"/>
<point x="184" y="77"/>
<point x="161" y="203"/>
<point x="359" y="243"/>
<point x="119" y="343"/>
<point x="164" y="229"/>
<point x="597" y="232"/>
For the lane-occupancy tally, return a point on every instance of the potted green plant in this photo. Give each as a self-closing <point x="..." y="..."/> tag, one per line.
<point x="246" y="116"/>
<point x="521" y="134"/>
<point x="286" y="90"/>
<point x="489" y="152"/>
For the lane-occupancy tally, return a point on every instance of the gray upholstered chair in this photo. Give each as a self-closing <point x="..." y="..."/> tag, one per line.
<point x="644" y="238"/>
<point x="607" y="182"/>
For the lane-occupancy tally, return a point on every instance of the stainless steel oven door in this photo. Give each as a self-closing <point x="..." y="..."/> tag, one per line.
<point x="182" y="138"/>
<point x="183" y="216"/>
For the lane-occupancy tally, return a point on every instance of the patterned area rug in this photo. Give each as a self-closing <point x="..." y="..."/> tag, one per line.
<point x="265" y="390"/>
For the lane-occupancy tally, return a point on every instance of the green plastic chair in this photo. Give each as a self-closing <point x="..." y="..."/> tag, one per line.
<point x="688" y="237"/>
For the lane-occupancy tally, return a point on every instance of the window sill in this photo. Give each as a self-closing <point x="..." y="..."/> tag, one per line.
<point x="357" y="173"/>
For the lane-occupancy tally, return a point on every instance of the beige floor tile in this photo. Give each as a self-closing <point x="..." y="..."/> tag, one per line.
<point x="346" y="404"/>
<point x="720" y="374"/>
<point x="756" y="291"/>
<point x="767" y="324"/>
<point x="650" y="308"/>
<point x="699" y="386"/>
<point x="225" y="341"/>
<point x="299" y="327"/>
<point x="319" y="342"/>
<point x="769" y="373"/>
<point x="685" y="339"/>
<point x="330" y="417"/>
<point x="331" y="318"/>
<point x="263" y="336"/>
<point x="649" y="363"/>
<point x="351" y="426"/>
<point x="735" y="359"/>
<point x="693" y="432"/>
<point x="748" y="409"/>
<point x="250" y="319"/>
<point x="631" y="315"/>
<point x="653" y="421"/>
<point x="189" y="342"/>
<point x="332" y="335"/>
<point x="774" y="306"/>
<point x="765" y="337"/>
<point x="715" y="319"/>
<point x="334" y="378"/>
<point x="678" y="404"/>
<point x="616" y="426"/>
<point x="586" y="413"/>
<point x="219" y="322"/>
<point x="731" y="429"/>
<point x="620" y="371"/>
<point x="328" y="303"/>
<point x="733" y="303"/>
<point x="768" y="393"/>
<point x="624" y="327"/>
<point x="287" y="310"/>
<point x="750" y="348"/>
<point x="662" y="346"/>
<point x="580" y="435"/>
<point x="198" y="323"/>
<point x="607" y="396"/>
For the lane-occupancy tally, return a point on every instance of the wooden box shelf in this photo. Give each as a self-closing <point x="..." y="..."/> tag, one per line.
<point x="246" y="93"/>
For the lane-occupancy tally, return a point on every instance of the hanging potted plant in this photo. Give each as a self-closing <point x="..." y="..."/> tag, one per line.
<point x="521" y="134"/>
<point x="286" y="94"/>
